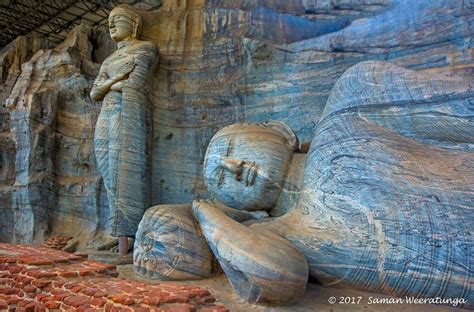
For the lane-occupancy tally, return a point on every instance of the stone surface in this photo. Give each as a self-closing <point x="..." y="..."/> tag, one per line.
<point x="387" y="191"/>
<point x="261" y="266"/>
<point x="11" y="59"/>
<point x="386" y="195"/>
<point x="169" y="246"/>
<point x="55" y="189"/>
<point x="262" y="178"/>
<point x="40" y="278"/>
<point x="122" y="135"/>
<point x="221" y="62"/>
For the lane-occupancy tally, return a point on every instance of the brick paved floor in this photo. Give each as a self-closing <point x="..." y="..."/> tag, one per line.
<point x="38" y="278"/>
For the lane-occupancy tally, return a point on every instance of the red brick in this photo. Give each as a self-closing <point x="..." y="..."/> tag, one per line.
<point x="88" y="291"/>
<point x="32" y="260"/>
<point x="76" y="289"/>
<point x="23" y="303"/>
<point x="98" y="302"/>
<point x="33" y="273"/>
<point x="60" y="260"/>
<point x="83" y="308"/>
<point x="76" y="301"/>
<point x="175" y="299"/>
<point x="68" y="274"/>
<point x="180" y="308"/>
<point x="48" y="274"/>
<point x="30" y="307"/>
<point x="29" y="289"/>
<point x="13" y="300"/>
<point x="100" y="294"/>
<point x="8" y="291"/>
<point x="122" y="300"/>
<point x="40" y="297"/>
<point x="40" y="308"/>
<point x="202" y="292"/>
<point x="41" y="283"/>
<point x="152" y="301"/>
<point x="13" y="269"/>
<point x="52" y="304"/>
<point x="85" y="272"/>
<point x="59" y="283"/>
<point x="141" y="309"/>
<point x="60" y="297"/>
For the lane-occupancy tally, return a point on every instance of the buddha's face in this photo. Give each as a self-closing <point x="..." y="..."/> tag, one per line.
<point x="120" y="27"/>
<point x="245" y="166"/>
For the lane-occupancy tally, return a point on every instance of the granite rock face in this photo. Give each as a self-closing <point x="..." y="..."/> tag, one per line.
<point x="54" y="187"/>
<point x="385" y="199"/>
<point x="221" y="62"/>
<point x="11" y="58"/>
<point x="387" y="193"/>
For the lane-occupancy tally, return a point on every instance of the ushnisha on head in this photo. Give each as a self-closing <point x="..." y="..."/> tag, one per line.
<point x="245" y="166"/>
<point x="124" y="23"/>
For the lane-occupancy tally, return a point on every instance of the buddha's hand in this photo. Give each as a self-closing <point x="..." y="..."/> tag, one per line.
<point x="117" y="86"/>
<point x="124" y="71"/>
<point x="235" y="214"/>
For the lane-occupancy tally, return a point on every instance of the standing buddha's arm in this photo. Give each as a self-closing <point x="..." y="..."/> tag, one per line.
<point x="143" y="60"/>
<point x="103" y="83"/>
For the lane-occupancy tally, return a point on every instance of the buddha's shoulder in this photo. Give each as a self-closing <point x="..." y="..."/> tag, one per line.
<point x="142" y="46"/>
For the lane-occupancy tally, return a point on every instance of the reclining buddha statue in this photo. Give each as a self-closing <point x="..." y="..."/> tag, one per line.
<point x="383" y="200"/>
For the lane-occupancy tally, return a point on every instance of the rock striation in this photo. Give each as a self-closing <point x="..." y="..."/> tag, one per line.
<point x="54" y="186"/>
<point x="385" y="199"/>
<point x="221" y="62"/>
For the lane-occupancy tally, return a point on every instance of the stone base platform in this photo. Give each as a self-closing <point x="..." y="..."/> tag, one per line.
<point x="37" y="278"/>
<point x="109" y="257"/>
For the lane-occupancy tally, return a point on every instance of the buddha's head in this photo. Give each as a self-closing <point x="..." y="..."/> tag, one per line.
<point x="246" y="164"/>
<point x="124" y="23"/>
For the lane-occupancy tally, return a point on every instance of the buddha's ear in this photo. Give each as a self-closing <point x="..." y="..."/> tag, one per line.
<point x="135" y="29"/>
<point x="286" y="131"/>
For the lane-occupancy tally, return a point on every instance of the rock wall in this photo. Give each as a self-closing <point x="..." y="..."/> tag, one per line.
<point x="11" y="59"/>
<point x="220" y="62"/>
<point x="51" y="184"/>
<point x="229" y="61"/>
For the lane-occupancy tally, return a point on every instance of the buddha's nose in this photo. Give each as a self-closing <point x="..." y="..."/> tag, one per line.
<point x="232" y="165"/>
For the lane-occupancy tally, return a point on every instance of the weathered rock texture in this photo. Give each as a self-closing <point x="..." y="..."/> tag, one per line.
<point x="122" y="136"/>
<point x="261" y="266"/>
<point x="54" y="185"/>
<point x="11" y="58"/>
<point x="221" y="62"/>
<point x="386" y="198"/>
<point x="228" y="61"/>
<point x="169" y="246"/>
<point x="387" y="189"/>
